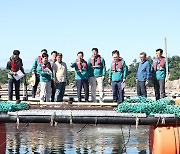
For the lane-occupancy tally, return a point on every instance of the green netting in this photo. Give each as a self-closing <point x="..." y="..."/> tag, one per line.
<point x="12" y="107"/>
<point x="149" y="106"/>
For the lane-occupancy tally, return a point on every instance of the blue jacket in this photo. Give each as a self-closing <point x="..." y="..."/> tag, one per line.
<point x="144" y="71"/>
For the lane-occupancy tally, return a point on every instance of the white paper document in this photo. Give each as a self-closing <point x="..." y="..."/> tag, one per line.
<point x="19" y="75"/>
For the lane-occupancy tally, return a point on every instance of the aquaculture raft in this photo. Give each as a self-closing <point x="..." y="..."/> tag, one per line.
<point x="162" y="116"/>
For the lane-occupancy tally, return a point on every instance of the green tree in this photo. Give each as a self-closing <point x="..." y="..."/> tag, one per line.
<point x="174" y="67"/>
<point x="3" y="76"/>
<point x="131" y="75"/>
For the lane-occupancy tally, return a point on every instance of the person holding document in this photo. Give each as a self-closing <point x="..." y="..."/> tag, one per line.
<point x="15" y="72"/>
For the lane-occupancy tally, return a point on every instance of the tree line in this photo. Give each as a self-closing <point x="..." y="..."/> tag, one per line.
<point x="174" y="69"/>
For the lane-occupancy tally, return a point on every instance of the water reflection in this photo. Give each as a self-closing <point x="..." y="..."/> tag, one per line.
<point x="65" y="138"/>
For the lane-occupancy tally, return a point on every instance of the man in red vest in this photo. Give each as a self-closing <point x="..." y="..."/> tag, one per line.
<point x="36" y="71"/>
<point x="13" y="66"/>
<point x="81" y="76"/>
<point x="117" y="75"/>
<point x="97" y="72"/>
<point x="159" y="74"/>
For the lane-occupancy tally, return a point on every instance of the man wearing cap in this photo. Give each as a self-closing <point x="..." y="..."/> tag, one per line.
<point x="60" y="77"/>
<point x="13" y="66"/>
<point x="36" y="71"/>
<point x="97" y="72"/>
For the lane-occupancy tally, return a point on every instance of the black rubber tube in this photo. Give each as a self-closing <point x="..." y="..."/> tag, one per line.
<point x="89" y="120"/>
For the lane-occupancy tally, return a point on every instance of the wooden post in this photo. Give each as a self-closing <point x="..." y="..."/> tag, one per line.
<point x="167" y="68"/>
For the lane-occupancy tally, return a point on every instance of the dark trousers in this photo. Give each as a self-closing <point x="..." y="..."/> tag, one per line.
<point x="60" y="89"/>
<point x="141" y="88"/>
<point x="159" y="87"/>
<point x="85" y="85"/>
<point x="52" y="91"/>
<point x="117" y="91"/>
<point x="10" y="88"/>
<point x="34" y="88"/>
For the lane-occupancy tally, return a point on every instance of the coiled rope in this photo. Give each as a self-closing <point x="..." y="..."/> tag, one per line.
<point x="149" y="106"/>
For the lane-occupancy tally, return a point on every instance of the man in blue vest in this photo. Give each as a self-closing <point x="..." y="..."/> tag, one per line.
<point x="159" y="74"/>
<point x="143" y="75"/>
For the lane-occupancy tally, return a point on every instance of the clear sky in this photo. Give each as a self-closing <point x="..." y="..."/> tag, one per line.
<point x="68" y="26"/>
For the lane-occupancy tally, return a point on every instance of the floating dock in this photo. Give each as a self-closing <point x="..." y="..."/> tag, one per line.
<point x="87" y="117"/>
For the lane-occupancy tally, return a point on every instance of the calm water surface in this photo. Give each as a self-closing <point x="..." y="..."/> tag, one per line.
<point x="75" y="139"/>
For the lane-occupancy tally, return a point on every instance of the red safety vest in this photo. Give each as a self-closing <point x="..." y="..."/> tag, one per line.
<point x="98" y="60"/>
<point x="162" y="60"/>
<point x="15" y="66"/>
<point x="47" y="65"/>
<point x="40" y="59"/>
<point x="119" y="64"/>
<point x="81" y="64"/>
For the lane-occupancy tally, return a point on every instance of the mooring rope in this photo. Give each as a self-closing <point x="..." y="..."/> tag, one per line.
<point x="129" y="135"/>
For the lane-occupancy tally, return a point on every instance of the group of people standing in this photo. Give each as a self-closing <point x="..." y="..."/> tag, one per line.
<point x="51" y="73"/>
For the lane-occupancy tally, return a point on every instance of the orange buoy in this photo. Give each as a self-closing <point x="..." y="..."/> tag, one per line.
<point x="164" y="140"/>
<point x="2" y="138"/>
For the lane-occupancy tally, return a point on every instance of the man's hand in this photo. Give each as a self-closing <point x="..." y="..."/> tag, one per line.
<point x="146" y="83"/>
<point x="109" y="81"/>
<point x="54" y="82"/>
<point x="15" y="73"/>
